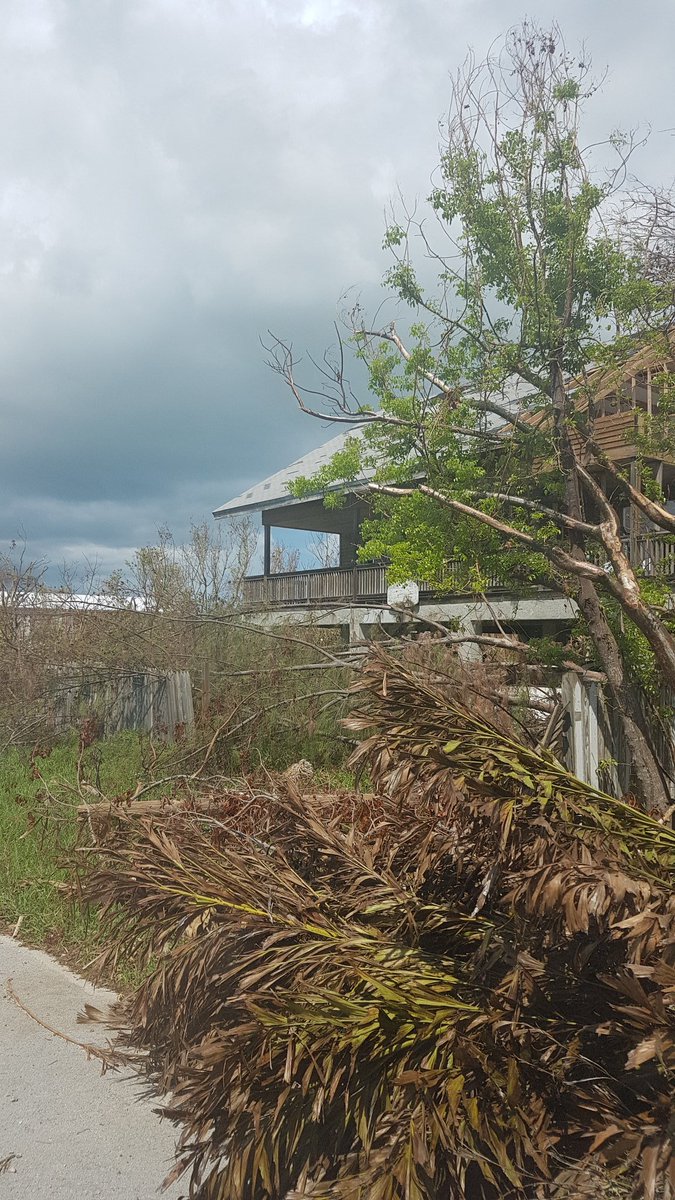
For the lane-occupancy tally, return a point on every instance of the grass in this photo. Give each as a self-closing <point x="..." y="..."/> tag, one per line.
<point x="38" y="826"/>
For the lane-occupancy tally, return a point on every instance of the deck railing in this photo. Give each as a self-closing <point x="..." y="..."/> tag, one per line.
<point x="341" y="585"/>
<point x="326" y="586"/>
<point x="654" y="554"/>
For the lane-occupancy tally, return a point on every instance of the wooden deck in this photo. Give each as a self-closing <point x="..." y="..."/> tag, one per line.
<point x="331" y="585"/>
<point x="654" y="555"/>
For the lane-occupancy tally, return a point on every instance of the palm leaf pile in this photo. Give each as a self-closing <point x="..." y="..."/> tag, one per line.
<point x="461" y="986"/>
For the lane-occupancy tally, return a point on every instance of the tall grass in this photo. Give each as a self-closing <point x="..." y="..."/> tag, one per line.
<point x="38" y="797"/>
<point x="262" y="701"/>
<point x="39" y="827"/>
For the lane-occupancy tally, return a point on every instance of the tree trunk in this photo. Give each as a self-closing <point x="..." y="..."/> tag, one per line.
<point x="649" y="778"/>
<point x="651" y="784"/>
<point x="627" y="592"/>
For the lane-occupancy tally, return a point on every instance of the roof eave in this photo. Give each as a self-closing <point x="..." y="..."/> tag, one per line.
<point x="226" y="510"/>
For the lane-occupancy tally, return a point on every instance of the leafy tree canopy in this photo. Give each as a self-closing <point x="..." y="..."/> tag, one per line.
<point x="478" y="435"/>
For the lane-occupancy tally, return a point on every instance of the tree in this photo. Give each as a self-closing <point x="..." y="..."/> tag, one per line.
<point x="325" y="549"/>
<point x="201" y="576"/>
<point x="481" y="422"/>
<point x="215" y="561"/>
<point x="284" y="558"/>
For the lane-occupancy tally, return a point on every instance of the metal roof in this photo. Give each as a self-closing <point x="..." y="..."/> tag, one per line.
<point x="273" y="491"/>
<point x="65" y="601"/>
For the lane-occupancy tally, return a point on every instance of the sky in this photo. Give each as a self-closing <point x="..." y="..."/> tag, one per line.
<point x="178" y="177"/>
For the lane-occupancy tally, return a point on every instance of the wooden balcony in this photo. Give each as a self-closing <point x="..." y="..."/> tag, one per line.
<point x="654" y="555"/>
<point x="330" y="585"/>
<point x="334" y="585"/>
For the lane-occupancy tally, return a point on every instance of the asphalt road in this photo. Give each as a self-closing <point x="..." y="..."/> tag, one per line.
<point x="76" y="1134"/>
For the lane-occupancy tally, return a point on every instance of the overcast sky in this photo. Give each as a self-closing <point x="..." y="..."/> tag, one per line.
<point x="179" y="176"/>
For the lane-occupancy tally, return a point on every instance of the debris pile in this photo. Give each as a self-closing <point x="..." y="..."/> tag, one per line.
<point x="460" y="984"/>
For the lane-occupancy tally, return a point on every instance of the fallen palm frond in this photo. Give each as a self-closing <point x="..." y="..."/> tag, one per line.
<point x="461" y="986"/>
<point x="109" y="1058"/>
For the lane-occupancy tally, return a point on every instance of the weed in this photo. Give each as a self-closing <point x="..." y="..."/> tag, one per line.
<point x="38" y="825"/>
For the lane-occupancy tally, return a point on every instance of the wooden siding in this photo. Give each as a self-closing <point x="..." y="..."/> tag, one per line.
<point x="615" y="435"/>
<point x="622" y="397"/>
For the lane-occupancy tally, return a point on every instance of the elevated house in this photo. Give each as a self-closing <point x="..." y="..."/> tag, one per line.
<point x="356" y="596"/>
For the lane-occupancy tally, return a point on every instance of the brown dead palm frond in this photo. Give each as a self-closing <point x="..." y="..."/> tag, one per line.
<point x="427" y="741"/>
<point x="462" y="986"/>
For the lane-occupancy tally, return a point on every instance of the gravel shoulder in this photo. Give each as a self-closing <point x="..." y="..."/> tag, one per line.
<point x="75" y="1133"/>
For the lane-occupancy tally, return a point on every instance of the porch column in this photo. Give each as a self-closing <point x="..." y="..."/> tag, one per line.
<point x="349" y="538"/>
<point x="267" y="550"/>
<point x="357" y="632"/>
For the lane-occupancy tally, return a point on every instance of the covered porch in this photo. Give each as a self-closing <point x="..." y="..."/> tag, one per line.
<point x="311" y="516"/>
<point x="349" y="582"/>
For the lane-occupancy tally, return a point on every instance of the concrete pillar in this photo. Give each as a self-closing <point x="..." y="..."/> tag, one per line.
<point x="357" y="631"/>
<point x="469" y="652"/>
<point x="580" y="702"/>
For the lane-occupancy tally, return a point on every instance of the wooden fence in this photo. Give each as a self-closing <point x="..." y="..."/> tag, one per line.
<point x="147" y="701"/>
<point x="593" y="744"/>
<point x="654" y="553"/>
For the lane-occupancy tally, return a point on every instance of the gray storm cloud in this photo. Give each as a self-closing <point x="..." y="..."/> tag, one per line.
<point x="178" y="176"/>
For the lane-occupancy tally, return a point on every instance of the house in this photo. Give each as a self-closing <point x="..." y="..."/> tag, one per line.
<point x="355" y="596"/>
